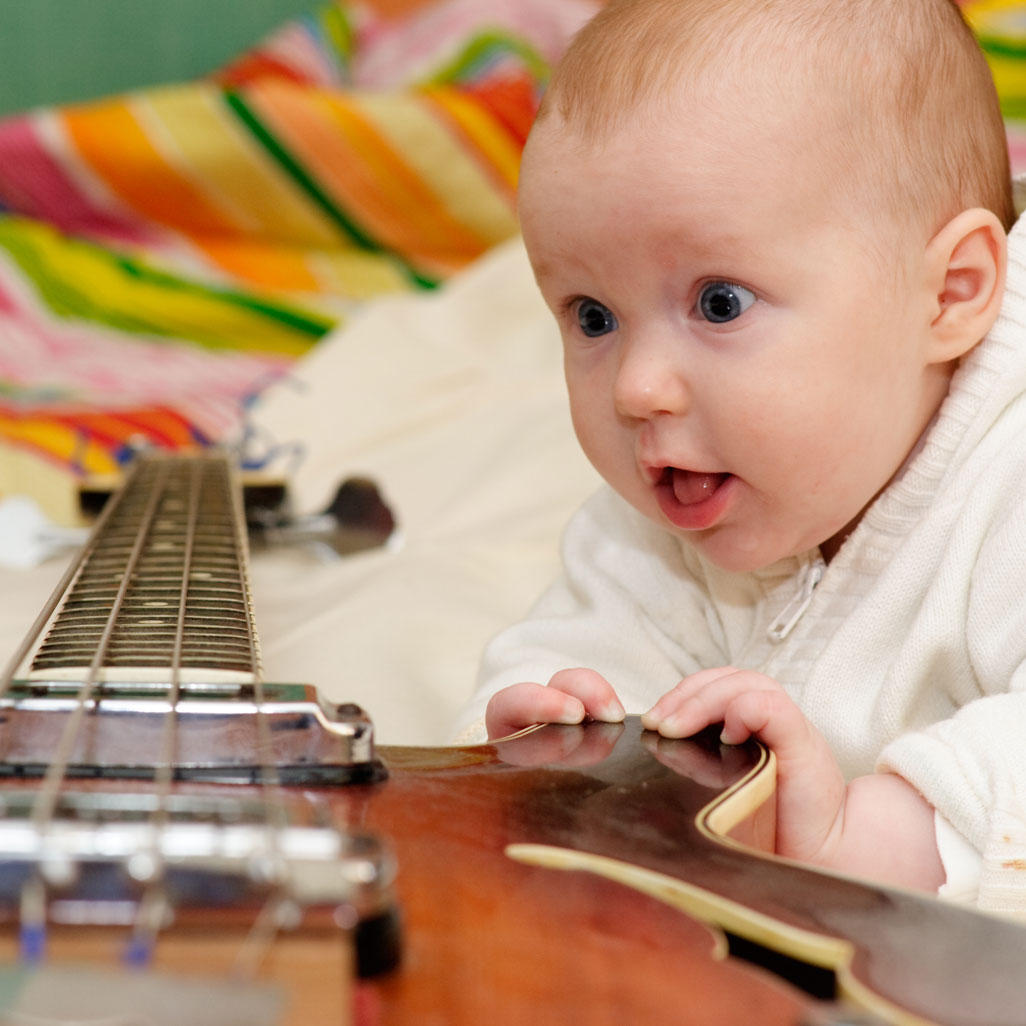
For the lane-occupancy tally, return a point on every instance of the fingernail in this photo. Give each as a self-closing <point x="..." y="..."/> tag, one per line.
<point x="573" y="712"/>
<point x="673" y="727"/>
<point x="611" y="712"/>
<point x="726" y="738"/>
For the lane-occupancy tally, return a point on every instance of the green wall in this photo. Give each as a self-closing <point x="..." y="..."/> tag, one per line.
<point x="55" y="51"/>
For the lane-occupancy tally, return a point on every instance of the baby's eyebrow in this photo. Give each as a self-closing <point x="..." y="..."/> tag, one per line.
<point x="545" y="268"/>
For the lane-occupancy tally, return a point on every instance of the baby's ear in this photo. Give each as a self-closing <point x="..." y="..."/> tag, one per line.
<point x="965" y="264"/>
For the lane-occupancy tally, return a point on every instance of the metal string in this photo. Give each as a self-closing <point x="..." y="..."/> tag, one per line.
<point x="154" y="904"/>
<point x="271" y="918"/>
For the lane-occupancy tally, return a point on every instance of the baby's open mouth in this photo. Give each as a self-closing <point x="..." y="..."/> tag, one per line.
<point x="694" y="500"/>
<point x="690" y="486"/>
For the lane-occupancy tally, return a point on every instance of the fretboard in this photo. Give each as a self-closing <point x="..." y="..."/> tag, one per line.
<point x="162" y="585"/>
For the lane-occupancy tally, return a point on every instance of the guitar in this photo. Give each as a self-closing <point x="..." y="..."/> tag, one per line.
<point x="182" y="841"/>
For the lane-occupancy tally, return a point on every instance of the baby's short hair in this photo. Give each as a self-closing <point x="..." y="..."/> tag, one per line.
<point x="911" y="88"/>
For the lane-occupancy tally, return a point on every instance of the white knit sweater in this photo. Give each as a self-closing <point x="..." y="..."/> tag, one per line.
<point x="908" y="651"/>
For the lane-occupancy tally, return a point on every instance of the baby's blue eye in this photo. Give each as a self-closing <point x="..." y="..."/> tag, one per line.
<point x="720" y="301"/>
<point x="595" y="319"/>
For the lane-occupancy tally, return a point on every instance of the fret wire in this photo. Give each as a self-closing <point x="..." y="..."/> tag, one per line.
<point x="46" y="800"/>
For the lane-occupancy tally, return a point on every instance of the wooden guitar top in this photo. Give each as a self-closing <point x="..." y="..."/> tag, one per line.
<point x="508" y="853"/>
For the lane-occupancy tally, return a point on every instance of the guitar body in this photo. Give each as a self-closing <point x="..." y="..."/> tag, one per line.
<point x="562" y="875"/>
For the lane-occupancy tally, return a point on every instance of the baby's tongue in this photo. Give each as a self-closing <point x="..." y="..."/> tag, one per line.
<point x="690" y="487"/>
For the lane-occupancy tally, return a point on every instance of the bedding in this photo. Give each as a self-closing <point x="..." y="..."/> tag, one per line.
<point x="311" y="256"/>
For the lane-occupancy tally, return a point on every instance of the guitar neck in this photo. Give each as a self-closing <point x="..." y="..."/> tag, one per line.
<point x="156" y="615"/>
<point x="161" y="590"/>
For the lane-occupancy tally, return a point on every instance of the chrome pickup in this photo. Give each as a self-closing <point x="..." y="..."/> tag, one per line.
<point x="220" y="731"/>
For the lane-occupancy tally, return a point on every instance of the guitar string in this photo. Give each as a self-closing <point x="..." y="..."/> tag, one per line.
<point x="154" y="904"/>
<point x="276" y="910"/>
<point x="271" y="918"/>
<point x="32" y="911"/>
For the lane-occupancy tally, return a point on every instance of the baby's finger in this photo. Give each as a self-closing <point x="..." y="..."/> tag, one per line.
<point x="521" y="705"/>
<point x="693" y="710"/>
<point x="594" y="692"/>
<point x="680" y="693"/>
<point x="772" y="716"/>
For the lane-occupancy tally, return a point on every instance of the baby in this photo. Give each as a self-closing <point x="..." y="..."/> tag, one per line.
<point x="774" y="238"/>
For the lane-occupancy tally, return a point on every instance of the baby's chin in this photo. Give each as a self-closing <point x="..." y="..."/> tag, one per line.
<point x="735" y="549"/>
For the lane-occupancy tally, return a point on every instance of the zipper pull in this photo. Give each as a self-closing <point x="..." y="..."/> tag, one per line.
<point x="787" y="619"/>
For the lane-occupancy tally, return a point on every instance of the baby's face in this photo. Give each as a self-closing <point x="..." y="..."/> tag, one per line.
<point x="741" y="367"/>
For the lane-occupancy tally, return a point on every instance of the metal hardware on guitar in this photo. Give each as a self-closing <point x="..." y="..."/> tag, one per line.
<point x="356" y="519"/>
<point x="140" y="684"/>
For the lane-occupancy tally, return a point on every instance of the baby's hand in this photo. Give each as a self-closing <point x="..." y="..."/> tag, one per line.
<point x="878" y="826"/>
<point x="571" y="695"/>
<point x="810" y="786"/>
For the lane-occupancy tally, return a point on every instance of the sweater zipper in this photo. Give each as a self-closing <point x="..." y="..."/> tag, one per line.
<point x="787" y="619"/>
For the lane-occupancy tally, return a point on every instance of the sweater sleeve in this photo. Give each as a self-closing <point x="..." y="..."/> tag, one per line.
<point x="629" y="604"/>
<point x="972" y="766"/>
<point x="972" y="769"/>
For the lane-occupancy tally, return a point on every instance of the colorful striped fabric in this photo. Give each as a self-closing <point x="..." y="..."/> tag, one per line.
<point x="167" y="253"/>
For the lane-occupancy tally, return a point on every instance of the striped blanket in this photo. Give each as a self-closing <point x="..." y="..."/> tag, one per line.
<point x="165" y="254"/>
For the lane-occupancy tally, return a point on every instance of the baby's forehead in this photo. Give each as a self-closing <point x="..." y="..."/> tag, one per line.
<point x="759" y="118"/>
<point x="807" y="93"/>
<point x="799" y="109"/>
<point x="713" y="188"/>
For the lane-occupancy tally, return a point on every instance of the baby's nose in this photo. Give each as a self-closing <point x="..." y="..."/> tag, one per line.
<point x="649" y="381"/>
